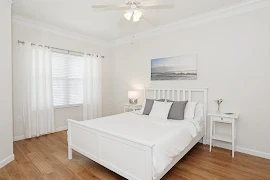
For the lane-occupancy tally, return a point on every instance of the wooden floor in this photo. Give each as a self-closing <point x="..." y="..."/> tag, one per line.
<point x="46" y="158"/>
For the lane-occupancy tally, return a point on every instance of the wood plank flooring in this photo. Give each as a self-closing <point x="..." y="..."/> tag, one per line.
<point x="45" y="158"/>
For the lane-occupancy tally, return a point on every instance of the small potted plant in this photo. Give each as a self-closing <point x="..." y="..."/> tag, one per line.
<point x="219" y="101"/>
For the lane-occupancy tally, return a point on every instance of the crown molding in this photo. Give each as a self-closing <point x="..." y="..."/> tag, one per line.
<point x="13" y="1"/>
<point x="239" y="8"/>
<point x="47" y="27"/>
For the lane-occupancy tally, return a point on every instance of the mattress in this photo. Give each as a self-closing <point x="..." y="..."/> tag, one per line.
<point x="167" y="137"/>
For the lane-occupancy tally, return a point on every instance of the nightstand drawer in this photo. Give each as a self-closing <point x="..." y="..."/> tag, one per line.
<point x="132" y="107"/>
<point x="222" y="120"/>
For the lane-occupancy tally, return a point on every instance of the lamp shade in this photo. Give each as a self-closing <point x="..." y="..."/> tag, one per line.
<point x="133" y="94"/>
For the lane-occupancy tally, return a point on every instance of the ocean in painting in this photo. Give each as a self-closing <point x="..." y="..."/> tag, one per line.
<point x="174" y="68"/>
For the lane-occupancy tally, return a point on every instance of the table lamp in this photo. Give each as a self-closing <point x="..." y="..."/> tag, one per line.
<point x="133" y="97"/>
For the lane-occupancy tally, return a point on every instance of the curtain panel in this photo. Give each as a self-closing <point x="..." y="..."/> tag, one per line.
<point x="38" y="109"/>
<point x="92" y="90"/>
<point x="37" y="90"/>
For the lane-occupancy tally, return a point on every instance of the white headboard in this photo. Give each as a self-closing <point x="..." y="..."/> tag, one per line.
<point x="181" y="95"/>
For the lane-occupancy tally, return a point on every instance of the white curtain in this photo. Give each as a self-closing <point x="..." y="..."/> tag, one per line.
<point x="92" y="91"/>
<point x="38" y="110"/>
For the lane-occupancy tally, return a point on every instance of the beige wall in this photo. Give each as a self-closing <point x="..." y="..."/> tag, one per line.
<point x="6" y="142"/>
<point x="233" y="62"/>
<point x="38" y="35"/>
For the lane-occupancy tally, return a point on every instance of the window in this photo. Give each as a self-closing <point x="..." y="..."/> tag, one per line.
<point x="67" y="79"/>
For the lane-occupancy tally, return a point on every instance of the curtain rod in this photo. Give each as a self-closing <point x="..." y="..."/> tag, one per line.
<point x="69" y="51"/>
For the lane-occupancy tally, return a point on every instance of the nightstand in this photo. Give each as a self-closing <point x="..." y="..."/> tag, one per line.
<point x="132" y="107"/>
<point x="218" y="117"/>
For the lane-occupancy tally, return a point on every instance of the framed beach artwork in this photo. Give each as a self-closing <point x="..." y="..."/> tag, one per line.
<point x="174" y="68"/>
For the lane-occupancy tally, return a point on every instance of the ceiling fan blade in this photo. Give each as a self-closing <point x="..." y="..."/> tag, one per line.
<point x="120" y="6"/>
<point x="157" y="4"/>
<point x="158" y="7"/>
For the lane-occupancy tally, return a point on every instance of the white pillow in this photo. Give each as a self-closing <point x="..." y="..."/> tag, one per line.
<point x="199" y="111"/>
<point x="190" y="110"/>
<point x="161" y="110"/>
<point x="198" y="119"/>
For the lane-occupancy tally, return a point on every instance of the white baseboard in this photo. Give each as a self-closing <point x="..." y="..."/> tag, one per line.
<point x="6" y="160"/>
<point x="61" y="129"/>
<point x="253" y="152"/>
<point x="241" y="149"/>
<point x="18" y="138"/>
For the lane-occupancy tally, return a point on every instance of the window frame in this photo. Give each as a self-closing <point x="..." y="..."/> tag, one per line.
<point x="66" y="105"/>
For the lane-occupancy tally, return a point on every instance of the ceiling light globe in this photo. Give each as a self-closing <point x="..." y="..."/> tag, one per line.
<point x="135" y="19"/>
<point x="137" y="13"/>
<point x="128" y="15"/>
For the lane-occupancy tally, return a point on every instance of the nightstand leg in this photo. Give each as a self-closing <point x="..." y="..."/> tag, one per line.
<point x="233" y="138"/>
<point x="214" y="127"/>
<point x="211" y="133"/>
<point x="214" y="132"/>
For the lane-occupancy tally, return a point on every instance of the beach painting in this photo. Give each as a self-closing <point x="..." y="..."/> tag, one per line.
<point x="174" y="68"/>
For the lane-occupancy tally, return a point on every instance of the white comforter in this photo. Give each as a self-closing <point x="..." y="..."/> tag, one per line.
<point x="168" y="138"/>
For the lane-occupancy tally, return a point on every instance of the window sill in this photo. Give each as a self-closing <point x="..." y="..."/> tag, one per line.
<point x="68" y="106"/>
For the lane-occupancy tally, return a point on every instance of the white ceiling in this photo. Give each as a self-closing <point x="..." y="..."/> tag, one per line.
<point x="77" y="15"/>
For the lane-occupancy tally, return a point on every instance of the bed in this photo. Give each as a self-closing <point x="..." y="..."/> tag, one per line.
<point x="136" y="146"/>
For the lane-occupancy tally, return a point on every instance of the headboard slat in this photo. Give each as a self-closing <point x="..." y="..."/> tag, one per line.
<point x="184" y="95"/>
<point x="189" y="95"/>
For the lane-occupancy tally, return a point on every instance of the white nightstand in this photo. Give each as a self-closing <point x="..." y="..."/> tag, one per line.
<point x="132" y="107"/>
<point x="223" y="118"/>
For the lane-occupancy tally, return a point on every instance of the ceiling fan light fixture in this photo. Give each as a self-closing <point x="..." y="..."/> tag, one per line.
<point x="135" y="19"/>
<point x="137" y="15"/>
<point x="128" y="15"/>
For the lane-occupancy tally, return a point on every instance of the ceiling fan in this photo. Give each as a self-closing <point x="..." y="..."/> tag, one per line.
<point x="134" y="8"/>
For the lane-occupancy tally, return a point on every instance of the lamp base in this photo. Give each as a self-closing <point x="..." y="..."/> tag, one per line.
<point x="133" y="101"/>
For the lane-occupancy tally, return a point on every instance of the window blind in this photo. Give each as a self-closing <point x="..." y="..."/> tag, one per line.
<point x="67" y="79"/>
